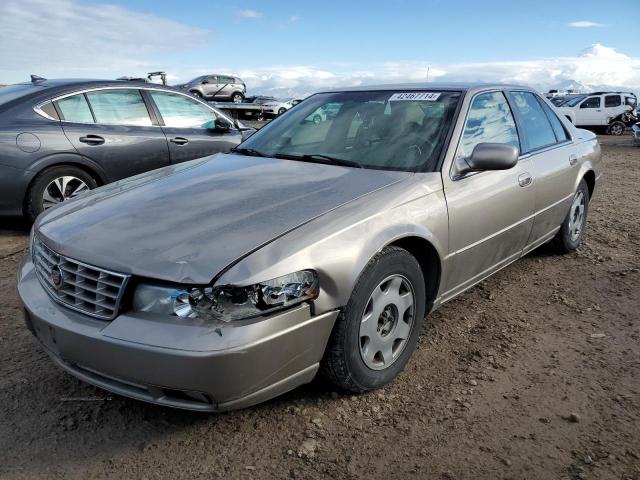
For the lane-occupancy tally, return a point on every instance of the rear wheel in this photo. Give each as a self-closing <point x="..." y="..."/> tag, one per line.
<point x="573" y="228"/>
<point x="56" y="185"/>
<point x="282" y="110"/>
<point x="237" y="97"/>
<point x="317" y="119"/>
<point x="377" y="332"/>
<point x="616" y="128"/>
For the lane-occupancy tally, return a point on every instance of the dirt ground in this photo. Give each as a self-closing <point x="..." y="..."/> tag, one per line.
<point x="534" y="374"/>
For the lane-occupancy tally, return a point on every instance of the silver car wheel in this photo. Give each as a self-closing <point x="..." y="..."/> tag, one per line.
<point x="61" y="189"/>
<point x="617" y="129"/>
<point x="387" y="322"/>
<point x="237" y="98"/>
<point x="576" y="216"/>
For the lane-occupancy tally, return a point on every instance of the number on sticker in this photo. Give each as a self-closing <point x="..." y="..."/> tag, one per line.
<point x="424" y="96"/>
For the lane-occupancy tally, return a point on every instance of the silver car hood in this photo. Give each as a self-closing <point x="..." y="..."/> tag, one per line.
<point x="187" y="222"/>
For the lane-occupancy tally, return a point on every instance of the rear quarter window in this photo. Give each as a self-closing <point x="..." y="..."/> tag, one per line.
<point x="75" y="109"/>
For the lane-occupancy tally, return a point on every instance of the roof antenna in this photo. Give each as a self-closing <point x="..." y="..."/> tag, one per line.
<point x="36" y="79"/>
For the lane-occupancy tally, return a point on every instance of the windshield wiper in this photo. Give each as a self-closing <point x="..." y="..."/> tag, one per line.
<point x="249" y="152"/>
<point x="319" y="158"/>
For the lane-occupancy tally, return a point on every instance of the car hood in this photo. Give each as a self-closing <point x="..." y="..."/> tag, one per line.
<point x="187" y="222"/>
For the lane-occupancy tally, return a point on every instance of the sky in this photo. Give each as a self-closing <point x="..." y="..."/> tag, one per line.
<point x="298" y="47"/>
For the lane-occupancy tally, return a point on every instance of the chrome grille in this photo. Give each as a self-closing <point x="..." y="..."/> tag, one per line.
<point x="82" y="287"/>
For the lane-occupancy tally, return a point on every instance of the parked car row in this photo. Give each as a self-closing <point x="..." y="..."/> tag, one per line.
<point x="318" y="244"/>
<point x="59" y="138"/>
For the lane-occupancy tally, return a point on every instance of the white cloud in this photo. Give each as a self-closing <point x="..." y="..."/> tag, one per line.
<point x="294" y="18"/>
<point x="595" y="66"/>
<point x="68" y="38"/>
<point x="585" y="24"/>
<point x="249" y="14"/>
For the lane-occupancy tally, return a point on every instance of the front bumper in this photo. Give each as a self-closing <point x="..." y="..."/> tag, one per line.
<point x="636" y="135"/>
<point x="168" y="362"/>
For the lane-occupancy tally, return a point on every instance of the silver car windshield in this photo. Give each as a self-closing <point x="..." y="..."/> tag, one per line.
<point x="390" y="130"/>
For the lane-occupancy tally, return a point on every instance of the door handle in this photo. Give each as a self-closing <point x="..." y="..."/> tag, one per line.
<point x="524" y="179"/>
<point x="573" y="159"/>
<point x="92" y="140"/>
<point x="179" y="141"/>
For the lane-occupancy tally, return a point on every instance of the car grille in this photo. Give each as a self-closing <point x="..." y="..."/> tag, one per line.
<point x="82" y="287"/>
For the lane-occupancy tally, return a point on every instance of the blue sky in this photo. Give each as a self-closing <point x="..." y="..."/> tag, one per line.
<point x="308" y="44"/>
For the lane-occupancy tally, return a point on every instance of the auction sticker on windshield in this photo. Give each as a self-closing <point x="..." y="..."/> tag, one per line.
<point x="425" y="96"/>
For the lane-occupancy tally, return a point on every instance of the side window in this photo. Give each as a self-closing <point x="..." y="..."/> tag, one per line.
<point x="489" y="120"/>
<point x="591" y="102"/>
<point x="556" y="124"/>
<point x="536" y="129"/>
<point x="630" y="101"/>
<point x="119" y="107"/>
<point x="211" y="79"/>
<point x="226" y="79"/>
<point x="179" y="111"/>
<point x="612" y="101"/>
<point x="75" y="109"/>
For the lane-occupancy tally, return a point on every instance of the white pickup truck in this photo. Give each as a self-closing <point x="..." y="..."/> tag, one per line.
<point x="600" y="109"/>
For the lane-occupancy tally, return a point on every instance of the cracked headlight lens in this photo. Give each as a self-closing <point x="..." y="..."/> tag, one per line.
<point x="228" y="302"/>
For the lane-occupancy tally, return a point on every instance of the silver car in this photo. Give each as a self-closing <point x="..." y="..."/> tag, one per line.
<point x="225" y="281"/>
<point x="217" y="87"/>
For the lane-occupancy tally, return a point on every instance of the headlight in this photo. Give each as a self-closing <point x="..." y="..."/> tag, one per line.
<point x="227" y="303"/>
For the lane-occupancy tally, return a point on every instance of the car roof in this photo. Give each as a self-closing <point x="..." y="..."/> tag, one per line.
<point x="471" y="87"/>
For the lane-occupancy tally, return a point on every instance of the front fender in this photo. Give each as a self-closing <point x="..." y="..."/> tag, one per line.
<point x="339" y="244"/>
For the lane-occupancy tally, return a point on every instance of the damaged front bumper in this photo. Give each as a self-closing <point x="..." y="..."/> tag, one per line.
<point x="170" y="362"/>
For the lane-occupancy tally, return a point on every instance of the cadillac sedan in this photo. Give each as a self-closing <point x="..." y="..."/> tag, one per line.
<point x="225" y="281"/>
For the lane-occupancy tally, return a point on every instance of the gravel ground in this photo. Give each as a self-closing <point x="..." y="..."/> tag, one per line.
<point x="535" y="373"/>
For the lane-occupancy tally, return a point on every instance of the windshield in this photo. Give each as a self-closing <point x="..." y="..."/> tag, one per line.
<point x="390" y="130"/>
<point x="11" y="92"/>
<point x="574" y="101"/>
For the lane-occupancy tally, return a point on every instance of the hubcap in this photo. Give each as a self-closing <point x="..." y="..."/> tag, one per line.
<point x="617" y="129"/>
<point x="387" y="322"/>
<point x="576" y="216"/>
<point x="61" y="189"/>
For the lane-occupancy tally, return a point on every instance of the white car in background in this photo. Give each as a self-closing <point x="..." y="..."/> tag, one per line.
<point x="278" y="107"/>
<point x="600" y="109"/>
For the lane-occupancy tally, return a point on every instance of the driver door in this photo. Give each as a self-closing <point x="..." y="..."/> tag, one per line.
<point x="189" y="127"/>
<point x="490" y="212"/>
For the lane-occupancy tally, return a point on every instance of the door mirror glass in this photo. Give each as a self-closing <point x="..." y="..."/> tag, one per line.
<point x="221" y="124"/>
<point x="488" y="156"/>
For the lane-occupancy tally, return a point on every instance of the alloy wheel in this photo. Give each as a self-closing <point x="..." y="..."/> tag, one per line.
<point x="616" y="129"/>
<point x="61" y="189"/>
<point x="576" y="216"/>
<point x="387" y="322"/>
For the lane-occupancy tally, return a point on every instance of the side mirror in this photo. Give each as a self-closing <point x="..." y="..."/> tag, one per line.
<point x="488" y="156"/>
<point x="222" y="124"/>
<point x="204" y="82"/>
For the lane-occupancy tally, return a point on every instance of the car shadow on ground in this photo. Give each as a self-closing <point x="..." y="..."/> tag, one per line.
<point x="14" y="224"/>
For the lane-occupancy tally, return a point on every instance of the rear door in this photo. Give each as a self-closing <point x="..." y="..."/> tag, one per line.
<point x="613" y="107"/>
<point x="113" y="127"/>
<point x="189" y="126"/>
<point x="547" y="144"/>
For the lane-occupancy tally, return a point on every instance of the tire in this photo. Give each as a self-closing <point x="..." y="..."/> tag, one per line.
<point x="616" y="128"/>
<point x="345" y="360"/>
<point x="317" y="119"/>
<point x="567" y="240"/>
<point x="237" y="97"/>
<point x="196" y="94"/>
<point x="74" y="177"/>
<point x="281" y="111"/>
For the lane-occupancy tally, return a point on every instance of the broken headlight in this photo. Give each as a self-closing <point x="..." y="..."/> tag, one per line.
<point x="228" y="302"/>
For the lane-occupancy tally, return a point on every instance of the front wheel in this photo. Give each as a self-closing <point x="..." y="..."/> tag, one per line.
<point x="56" y="185"/>
<point x="282" y="110"/>
<point x="616" y="128"/>
<point x="573" y="228"/>
<point x="377" y="332"/>
<point x="196" y="94"/>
